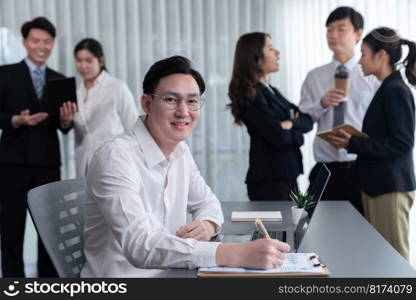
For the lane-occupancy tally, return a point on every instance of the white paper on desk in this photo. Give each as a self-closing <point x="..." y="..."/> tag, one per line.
<point x="293" y="263"/>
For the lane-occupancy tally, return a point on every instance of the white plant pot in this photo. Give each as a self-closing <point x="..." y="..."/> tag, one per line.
<point x="297" y="214"/>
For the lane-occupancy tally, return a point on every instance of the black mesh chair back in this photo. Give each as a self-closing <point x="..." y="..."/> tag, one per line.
<point x="57" y="213"/>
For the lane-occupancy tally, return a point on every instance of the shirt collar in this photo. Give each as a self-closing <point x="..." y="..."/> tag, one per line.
<point x="101" y="78"/>
<point x="349" y="64"/>
<point x="153" y="155"/>
<point x="32" y="66"/>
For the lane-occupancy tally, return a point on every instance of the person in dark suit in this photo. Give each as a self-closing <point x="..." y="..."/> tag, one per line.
<point x="385" y="159"/>
<point x="29" y="146"/>
<point x="275" y="125"/>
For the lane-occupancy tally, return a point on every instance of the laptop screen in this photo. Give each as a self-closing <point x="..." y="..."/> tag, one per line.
<point x="317" y="189"/>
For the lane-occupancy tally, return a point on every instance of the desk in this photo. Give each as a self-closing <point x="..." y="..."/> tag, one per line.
<point x="346" y="242"/>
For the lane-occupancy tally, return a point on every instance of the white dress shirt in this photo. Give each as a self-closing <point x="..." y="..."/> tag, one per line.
<point x="32" y="67"/>
<point x="104" y="111"/>
<point x="317" y="83"/>
<point x="136" y="201"/>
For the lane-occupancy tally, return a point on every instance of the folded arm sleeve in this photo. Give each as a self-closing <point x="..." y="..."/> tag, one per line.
<point x="260" y="116"/>
<point x="304" y="122"/>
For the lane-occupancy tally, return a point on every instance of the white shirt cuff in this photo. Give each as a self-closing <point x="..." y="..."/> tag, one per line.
<point x="205" y="253"/>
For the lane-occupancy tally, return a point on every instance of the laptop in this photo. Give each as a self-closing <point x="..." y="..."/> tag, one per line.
<point x="317" y="189"/>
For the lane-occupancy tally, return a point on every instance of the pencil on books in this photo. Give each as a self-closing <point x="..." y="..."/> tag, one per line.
<point x="261" y="228"/>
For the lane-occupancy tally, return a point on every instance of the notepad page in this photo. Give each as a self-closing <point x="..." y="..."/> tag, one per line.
<point x="293" y="263"/>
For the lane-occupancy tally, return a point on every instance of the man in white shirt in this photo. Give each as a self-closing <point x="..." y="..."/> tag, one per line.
<point x="141" y="185"/>
<point x="322" y="101"/>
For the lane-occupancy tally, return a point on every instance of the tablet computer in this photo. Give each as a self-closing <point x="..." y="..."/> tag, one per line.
<point x="59" y="91"/>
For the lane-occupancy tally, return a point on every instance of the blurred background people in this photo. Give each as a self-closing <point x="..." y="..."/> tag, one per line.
<point x="330" y="106"/>
<point x="106" y="106"/>
<point x="385" y="159"/>
<point x="275" y="125"/>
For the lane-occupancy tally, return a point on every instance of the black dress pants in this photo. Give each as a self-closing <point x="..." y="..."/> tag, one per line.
<point x="342" y="185"/>
<point x="271" y="190"/>
<point x="15" y="182"/>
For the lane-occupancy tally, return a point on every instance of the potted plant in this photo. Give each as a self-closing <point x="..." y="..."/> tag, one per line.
<point x="303" y="201"/>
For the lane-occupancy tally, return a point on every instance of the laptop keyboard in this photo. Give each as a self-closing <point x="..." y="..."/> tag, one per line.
<point x="278" y="235"/>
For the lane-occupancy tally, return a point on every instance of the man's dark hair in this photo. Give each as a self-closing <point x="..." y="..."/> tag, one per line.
<point x="343" y="12"/>
<point x="38" y="23"/>
<point x="168" y="66"/>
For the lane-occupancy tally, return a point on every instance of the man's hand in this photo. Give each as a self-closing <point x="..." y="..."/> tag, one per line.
<point x="199" y="230"/>
<point x="30" y="120"/>
<point x="286" y="125"/>
<point x="67" y="112"/>
<point x="332" y="98"/>
<point x="341" y="140"/>
<point x="259" y="254"/>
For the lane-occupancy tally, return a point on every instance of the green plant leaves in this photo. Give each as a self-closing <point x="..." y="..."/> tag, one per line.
<point x="302" y="200"/>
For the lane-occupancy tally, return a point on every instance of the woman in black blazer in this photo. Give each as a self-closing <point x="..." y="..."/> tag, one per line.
<point x="385" y="159"/>
<point x="275" y="125"/>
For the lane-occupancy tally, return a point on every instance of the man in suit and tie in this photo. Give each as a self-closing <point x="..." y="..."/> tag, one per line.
<point x="29" y="146"/>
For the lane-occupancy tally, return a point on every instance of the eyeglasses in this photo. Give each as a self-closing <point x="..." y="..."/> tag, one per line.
<point x="171" y="102"/>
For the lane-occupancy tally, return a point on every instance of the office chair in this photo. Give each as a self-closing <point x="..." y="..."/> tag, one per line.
<point x="58" y="215"/>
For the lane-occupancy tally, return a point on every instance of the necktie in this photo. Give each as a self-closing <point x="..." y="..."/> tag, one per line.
<point x="339" y="114"/>
<point x="38" y="82"/>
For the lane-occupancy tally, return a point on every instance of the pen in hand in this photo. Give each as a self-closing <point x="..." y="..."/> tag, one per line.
<point x="261" y="228"/>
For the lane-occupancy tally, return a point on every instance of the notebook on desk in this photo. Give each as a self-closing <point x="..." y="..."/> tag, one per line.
<point x="251" y="216"/>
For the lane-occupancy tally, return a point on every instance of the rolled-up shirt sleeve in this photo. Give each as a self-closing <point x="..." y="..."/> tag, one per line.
<point x="310" y="101"/>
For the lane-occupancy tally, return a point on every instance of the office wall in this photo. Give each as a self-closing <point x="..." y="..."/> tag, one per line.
<point x="135" y="33"/>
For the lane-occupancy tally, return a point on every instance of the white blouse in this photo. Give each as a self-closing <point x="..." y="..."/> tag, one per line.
<point x="104" y="111"/>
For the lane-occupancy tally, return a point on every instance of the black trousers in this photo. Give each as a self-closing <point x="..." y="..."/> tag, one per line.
<point x="271" y="190"/>
<point x="15" y="182"/>
<point x="342" y="185"/>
